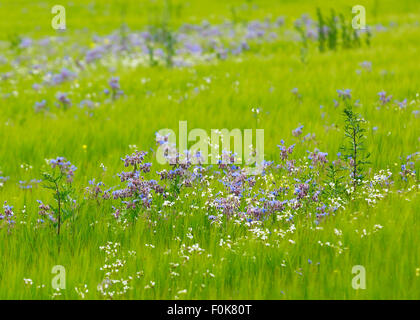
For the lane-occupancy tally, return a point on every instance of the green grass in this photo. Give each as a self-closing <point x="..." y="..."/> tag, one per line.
<point x="262" y="77"/>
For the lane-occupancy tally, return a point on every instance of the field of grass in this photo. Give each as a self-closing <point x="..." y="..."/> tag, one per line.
<point x="92" y="94"/>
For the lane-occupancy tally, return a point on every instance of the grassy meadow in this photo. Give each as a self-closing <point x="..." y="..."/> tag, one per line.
<point x="123" y="70"/>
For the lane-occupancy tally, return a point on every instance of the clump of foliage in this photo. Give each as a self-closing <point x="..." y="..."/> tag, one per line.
<point x="330" y="32"/>
<point x="58" y="178"/>
<point x="354" y="148"/>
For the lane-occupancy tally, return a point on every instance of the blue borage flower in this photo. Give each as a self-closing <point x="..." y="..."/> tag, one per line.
<point x="40" y="105"/>
<point x="64" y="166"/>
<point x="45" y="211"/>
<point x="114" y="84"/>
<point x="383" y="98"/>
<point x="63" y="100"/>
<point x="7" y="213"/>
<point x="401" y="104"/>
<point x="407" y="168"/>
<point x="344" y="94"/>
<point x="29" y="184"/>
<point x="64" y="75"/>
<point x="298" y="131"/>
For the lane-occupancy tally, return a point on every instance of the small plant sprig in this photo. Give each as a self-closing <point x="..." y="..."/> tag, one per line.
<point x="330" y="29"/>
<point x="151" y="51"/>
<point x="304" y="48"/>
<point x="14" y="41"/>
<point x="354" y="147"/>
<point x="321" y="31"/>
<point x="7" y="217"/>
<point x="114" y="84"/>
<point x="58" y="178"/>
<point x="334" y="183"/>
<point x="168" y="39"/>
<point x="162" y="33"/>
<point x="332" y="33"/>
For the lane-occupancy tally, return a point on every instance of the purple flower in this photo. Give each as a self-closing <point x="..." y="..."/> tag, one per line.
<point x="402" y="104"/>
<point x="318" y="157"/>
<point x="94" y="54"/>
<point x="298" y="131"/>
<point x="193" y="48"/>
<point x="284" y="152"/>
<point x="367" y="65"/>
<point x="25" y="43"/>
<point x="114" y="83"/>
<point x="87" y="103"/>
<point x="66" y="168"/>
<point x="64" y="100"/>
<point x="40" y="105"/>
<point x="7" y="213"/>
<point x="64" y="75"/>
<point x="383" y="98"/>
<point x="344" y="94"/>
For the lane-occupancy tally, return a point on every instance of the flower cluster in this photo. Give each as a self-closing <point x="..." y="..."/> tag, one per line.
<point x="63" y="100"/>
<point x="65" y="167"/>
<point x="344" y="94"/>
<point x="113" y="284"/>
<point x="138" y="191"/>
<point x="298" y="131"/>
<point x="29" y="184"/>
<point x="44" y="210"/>
<point x="291" y="189"/>
<point x="8" y="214"/>
<point x="407" y="168"/>
<point x="116" y="91"/>
<point x="383" y="98"/>
<point x="95" y="190"/>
